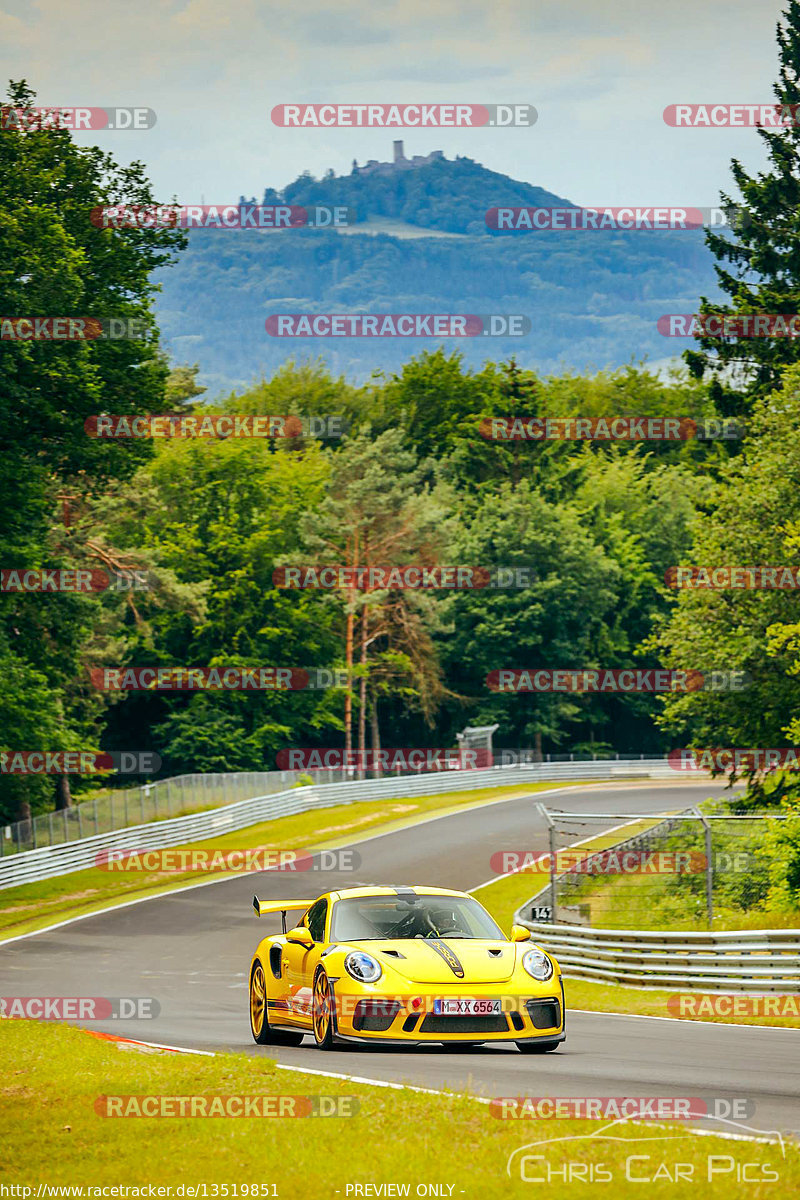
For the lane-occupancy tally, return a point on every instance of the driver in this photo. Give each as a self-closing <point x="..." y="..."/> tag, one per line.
<point x="444" y="919"/>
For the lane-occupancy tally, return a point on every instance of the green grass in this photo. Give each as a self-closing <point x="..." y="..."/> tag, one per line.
<point x="643" y="1002"/>
<point x="52" y="1134"/>
<point x="33" y="906"/>
<point x="504" y="896"/>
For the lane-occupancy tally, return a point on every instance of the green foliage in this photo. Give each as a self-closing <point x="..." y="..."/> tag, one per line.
<point x="755" y="509"/>
<point x="759" y="263"/>
<point x="54" y="262"/>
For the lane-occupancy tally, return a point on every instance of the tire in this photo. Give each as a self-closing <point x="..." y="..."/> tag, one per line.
<point x="321" y="1012"/>
<point x="537" y="1047"/>
<point x="262" y="1031"/>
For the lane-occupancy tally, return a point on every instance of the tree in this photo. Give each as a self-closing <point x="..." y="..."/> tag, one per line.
<point x="54" y="262"/>
<point x="214" y="517"/>
<point x="378" y="511"/>
<point x="754" y="522"/>
<point x="761" y="258"/>
<point x="557" y="621"/>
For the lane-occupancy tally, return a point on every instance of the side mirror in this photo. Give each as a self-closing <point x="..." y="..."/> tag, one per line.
<point x="299" y="936"/>
<point x="520" y="934"/>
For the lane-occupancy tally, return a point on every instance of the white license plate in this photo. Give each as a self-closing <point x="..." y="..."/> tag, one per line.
<point x="466" y="1006"/>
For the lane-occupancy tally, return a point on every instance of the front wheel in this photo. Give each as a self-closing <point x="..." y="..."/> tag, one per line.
<point x="262" y="1031"/>
<point x="537" y="1047"/>
<point x="321" y="1012"/>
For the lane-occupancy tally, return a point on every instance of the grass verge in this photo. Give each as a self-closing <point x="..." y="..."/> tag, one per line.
<point x="505" y="895"/>
<point x="34" y="906"/>
<point x="644" y="1002"/>
<point x="53" y="1135"/>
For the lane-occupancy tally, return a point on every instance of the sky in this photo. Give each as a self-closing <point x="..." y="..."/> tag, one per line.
<point x="599" y="74"/>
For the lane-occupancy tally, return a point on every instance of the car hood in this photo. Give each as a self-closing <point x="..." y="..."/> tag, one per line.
<point x="447" y="960"/>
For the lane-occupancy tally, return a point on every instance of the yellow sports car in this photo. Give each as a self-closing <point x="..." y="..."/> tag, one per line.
<point x="404" y="965"/>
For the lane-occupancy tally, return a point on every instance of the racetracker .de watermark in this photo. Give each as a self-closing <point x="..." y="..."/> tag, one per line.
<point x="78" y="762"/>
<point x="629" y="1108"/>
<point x="599" y="862"/>
<point x="41" y="117"/>
<point x="73" y="579"/>
<point x="236" y="425"/>
<point x="236" y="862"/>
<point x="79" y="1008"/>
<point x="602" y="429"/>
<point x="403" y="325"/>
<point x="728" y="116"/>
<point x="732" y="325"/>
<point x="618" y="862"/>
<point x="413" y="577"/>
<point x="402" y="116"/>
<point x="226" y="1106"/>
<point x="408" y="758"/>
<point x="574" y="218"/>
<point x="218" y="216"/>
<point x="71" y="329"/>
<point x="622" y="679"/>
<point x="735" y="759"/>
<point x="212" y="679"/>
<point x="723" y="578"/>
<point x="718" y="1004"/>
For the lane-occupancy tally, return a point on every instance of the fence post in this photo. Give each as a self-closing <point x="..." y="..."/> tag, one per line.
<point x="50" y="827"/>
<point x="125" y="799"/>
<point x="551" y="831"/>
<point x="80" y="824"/>
<point x="709" y="870"/>
<point x="96" y="825"/>
<point x="709" y="877"/>
<point x="66" y="830"/>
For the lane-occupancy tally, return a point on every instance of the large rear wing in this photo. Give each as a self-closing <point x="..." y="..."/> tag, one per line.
<point x="262" y="907"/>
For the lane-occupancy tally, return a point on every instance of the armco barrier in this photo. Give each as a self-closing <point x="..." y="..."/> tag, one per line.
<point x="33" y="865"/>
<point x="758" y="960"/>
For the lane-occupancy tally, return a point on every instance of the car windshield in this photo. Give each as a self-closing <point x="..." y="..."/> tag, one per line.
<point x="372" y="918"/>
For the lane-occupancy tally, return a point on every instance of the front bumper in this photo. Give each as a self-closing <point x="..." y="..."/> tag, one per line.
<point x="363" y="1017"/>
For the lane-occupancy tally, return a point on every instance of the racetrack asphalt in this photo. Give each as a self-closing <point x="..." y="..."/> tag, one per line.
<point x="191" y="950"/>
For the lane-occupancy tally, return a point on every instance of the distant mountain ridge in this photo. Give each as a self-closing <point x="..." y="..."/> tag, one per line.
<point x="439" y="193"/>
<point x="593" y="298"/>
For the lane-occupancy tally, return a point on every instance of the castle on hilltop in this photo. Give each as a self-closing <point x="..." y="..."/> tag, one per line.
<point x="399" y="162"/>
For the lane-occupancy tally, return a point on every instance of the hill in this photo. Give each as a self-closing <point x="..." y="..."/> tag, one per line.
<point x="593" y="297"/>
<point x="443" y="194"/>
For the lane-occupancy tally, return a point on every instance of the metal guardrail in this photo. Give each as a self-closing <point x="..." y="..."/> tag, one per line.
<point x="179" y="795"/>
<point x="31" y="866"/>
<point x="120" y="808"/>
<point x="759" y="960"/>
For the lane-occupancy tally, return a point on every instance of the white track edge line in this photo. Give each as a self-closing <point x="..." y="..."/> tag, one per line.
<point x="411" y="1087"/>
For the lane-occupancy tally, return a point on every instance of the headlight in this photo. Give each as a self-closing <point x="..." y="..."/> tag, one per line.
<point x="362" y="967"/>
<point x="537" y="964"/>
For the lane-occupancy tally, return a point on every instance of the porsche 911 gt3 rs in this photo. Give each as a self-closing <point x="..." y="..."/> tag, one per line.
<point x="402" y="965"/>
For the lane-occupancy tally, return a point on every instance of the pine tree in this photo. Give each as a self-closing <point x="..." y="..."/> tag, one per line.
<point x="760" y="258"/>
